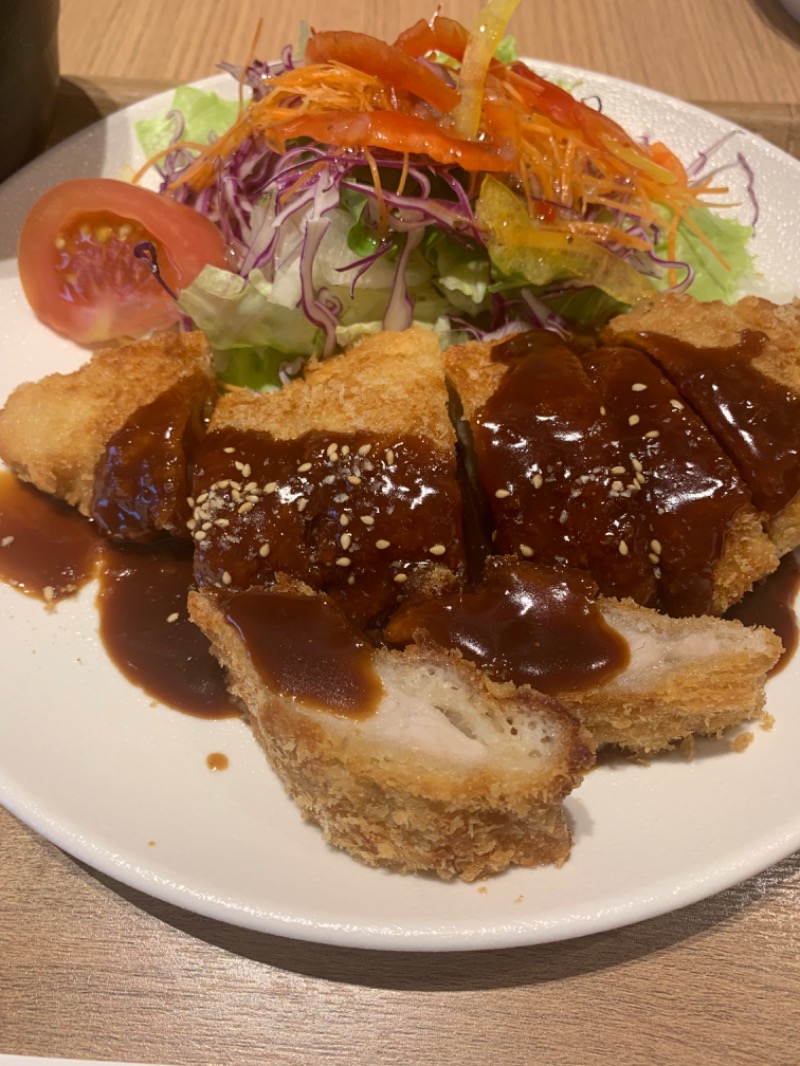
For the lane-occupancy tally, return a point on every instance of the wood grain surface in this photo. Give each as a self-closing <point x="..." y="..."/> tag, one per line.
<point x="90" y="968"/>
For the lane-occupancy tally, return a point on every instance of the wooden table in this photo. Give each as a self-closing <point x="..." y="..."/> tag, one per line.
<point x="90" y="968"/>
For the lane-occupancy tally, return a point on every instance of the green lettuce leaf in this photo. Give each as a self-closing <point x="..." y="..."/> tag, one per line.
<point x="714" y="280"/>
<point x="204" y="113"/>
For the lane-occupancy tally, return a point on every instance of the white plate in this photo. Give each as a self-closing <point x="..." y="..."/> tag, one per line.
<point x="89" y="762"/>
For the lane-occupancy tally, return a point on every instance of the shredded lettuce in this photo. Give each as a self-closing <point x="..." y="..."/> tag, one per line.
<point x="714" y="280"/>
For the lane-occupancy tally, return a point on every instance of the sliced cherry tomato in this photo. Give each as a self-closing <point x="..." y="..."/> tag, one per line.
<point x="381" y="60"/>
<point x="399" y="132"/>
<point x="77" y="262"/>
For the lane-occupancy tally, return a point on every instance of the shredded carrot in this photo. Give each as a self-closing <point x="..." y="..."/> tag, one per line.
<point x="555" y="150"/>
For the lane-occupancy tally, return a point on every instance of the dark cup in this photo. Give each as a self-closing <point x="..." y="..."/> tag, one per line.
<point x="28" y="78"/>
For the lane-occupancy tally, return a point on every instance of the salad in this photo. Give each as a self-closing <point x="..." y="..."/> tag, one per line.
<point x="357" y="186"/>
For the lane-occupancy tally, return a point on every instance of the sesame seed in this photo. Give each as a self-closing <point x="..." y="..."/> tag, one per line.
<point x="633" y="420"/>
<point x="191" y="524"/>
<point x="252" y="498"/>
<point x="202" y="497"/>
<point x="652" y="433"/>
<point x="303" y="468"/>
<point x="229" y="451"/>
<point x="654" y="558"/>
<point x="200" y="535"/>
<point x="328" y="479"/>
<point x="332" y="451"/>
<point x="226" y="578"/>
<point x="526" y="550"/>
<point x="389" y="453"/>
<point x="617" y="469"/>
<point x="538" y="481"/>
<point x="676" y="404"/>
<point x="246" y="471"/>
<point x="343" y="561"/>
<point x="173" y="617"/>
<point x="49" y="593"/>
<point x="502" y="493"/>
<point x="344" y="520"/>
<point x="302" y="503"/>
<point x="602" y="410"/>
<point x="400" y="578"/>
<point x="365" y="449"/>
<point x="640" y="477"/>
<point x="345" y="449"/>
<point x="655" y="545"/>
<point x="4" y="543"/>
<point x="223" y="523"/>
<point x="353" y="479"/>
<point x="637" y="466"/>
<point x="623" y="548"/>
<point x="206" y="526"/>
<point x="351" y="580"/>
<point x="346" y="540"/>
<point x="270" y="487"/>
<point x="190" y="501"/>
<point x="263" y="551"/>
<point x="245" y="508"/>
<point x="638" y="387"/>
<point x="381" y="544"/>
<point x="367" y="519"/>
<point x="617" y="486"/>
<point x="437" y="549"/>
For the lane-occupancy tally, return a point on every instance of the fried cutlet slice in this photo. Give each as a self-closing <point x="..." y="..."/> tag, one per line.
<point x="636" y="678"/>
<point x="441" y="770"/>
<point x="345" y="479"/>
<point x="111" y="438"/>
<point x="748" y="355"/>
<point x="589" y="459"/>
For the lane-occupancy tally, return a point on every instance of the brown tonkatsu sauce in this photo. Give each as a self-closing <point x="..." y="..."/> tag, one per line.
<point x="47" y="549"/>
<point x="592" y="461"/>
<point x="351" y="515"/>
<point x="527" y="624"/>
<point x="754" y="418"/>
<point x="142" y="482"/>
<point x="146" y="630"/>
<point x="305" y="648"/>
<point x="54" y="551"/>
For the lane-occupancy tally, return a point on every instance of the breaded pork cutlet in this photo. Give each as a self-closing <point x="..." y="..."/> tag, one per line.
<point x="590" y="459"/>
<point x="345" y="480"/>
<point x="743" y="359"/>
<point x="111" y="438"/>
<point x="412" y="760"/>
<point x="635" y="678"/>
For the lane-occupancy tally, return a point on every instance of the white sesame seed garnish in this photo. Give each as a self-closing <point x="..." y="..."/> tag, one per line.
<point x="351" y="580"/>
<point x="654" y="558"/>
<point x="602" y="410"/>
<point x="263" y="551"/>
<point x="617" y="469"/>
<point x="173" y="617"/>
<point x="633" y="420"/>
<point x="353" y="479"/>
<point x="381" y="544"/>
<point x="652" y="433"/>
<point x="389" y="453"/>
<point x="623" y="548"/>
<point x="190" y="501"/>
<point x="229" y="451"/>
<point x="226" y="578"/>
<point x="246" y="507"/>
<point x="637" y="466"/>
<point x="4" y="543"/>
<point x="302" y="503"/>
<point x="270" y="487"/>
<point x="343" y="561"/>
<point x="202" y="497"/>
<point x="246" y="471"/>
<point x="638" y="387"/>
<point x="617" y="486"/>
<point x="200" y="535"/>
<point x="206" y="526"/>
<point x="526" y="550"/>
<point x="655" y="545"/>
<point x="49" y="593"/>
<point x="365" y="449"/>
<point x="332" y="450"/>
<point x="191" y="524"/>
<point x="538" y="481"/>
<point x="676" y="404"/>
<point x="346" y="540"/>
<point x="223" y="523"/>
<point x="640" y="477"/>
<point x="437" y="549"/>
<point x="502" y="493"/>
<point x="400" y="578"/>
<point x="367" y="519"/>
<point x="328" y="479"/>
